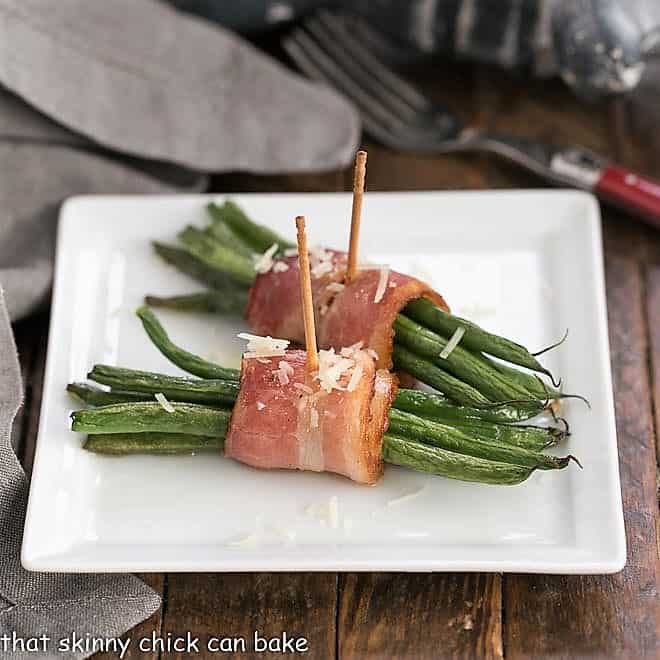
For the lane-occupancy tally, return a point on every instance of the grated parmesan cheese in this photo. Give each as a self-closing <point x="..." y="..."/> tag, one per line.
<point x="251" y="539"/>
<point x="281" y="376"/>
<point x="321" y="268"/>
<point x="320" y="261"/>
<point x="305" y="388"/>
<point x="349" y="351"/>
<point x="383" y="277"/>
<point x="260" y="405"/>
<point x="355" y="378"/>
<point x="284" y="533"/>
<point x="264" y="262"/>
<point x="406" y="497"/>
<point x="331" y="368"/>
<point x="263" y="347"/>
<point x="335" y="287"/>
<point x="333" y="512"/>
<point x="280" y="267"/>
<point x="452" y="343"/>
<point x="165" y="404"/>
<point x="372" y="354"/>
<point x="286" y="367"/>
<point x="314" y="418"/>
<point x="248" y="541"/>
<point x="327" y="513"/>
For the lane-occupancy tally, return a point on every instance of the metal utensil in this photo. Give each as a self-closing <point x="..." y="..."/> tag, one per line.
<point x="329" y="47"/>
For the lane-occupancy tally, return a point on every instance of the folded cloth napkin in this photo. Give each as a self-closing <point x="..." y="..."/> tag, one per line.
<point x="128" y="96"/>
<point x="141" y="78"/>
<point x="32" y="604"/>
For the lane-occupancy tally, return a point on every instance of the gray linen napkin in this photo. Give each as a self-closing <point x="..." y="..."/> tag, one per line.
<point x="182" y="90"/>
<point x="153" y="98"/>
<point x="36" y="603"/>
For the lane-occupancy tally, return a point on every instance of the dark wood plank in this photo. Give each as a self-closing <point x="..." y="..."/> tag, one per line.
<point x="237" y="605"/>
<point x="315" y="182"/>
<point x="653" y="313"/>
<point x="614" y="616"/>
<point x="395" y="615"/>
<point x="576" y="616"/>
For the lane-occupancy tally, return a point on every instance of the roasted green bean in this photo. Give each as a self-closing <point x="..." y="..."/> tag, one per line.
<point x="183" y="359"/>
<point x="189" y="418"/>
<point x="214" y="392"/>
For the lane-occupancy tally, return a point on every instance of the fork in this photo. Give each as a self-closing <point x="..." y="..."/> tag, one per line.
<point x="337" y="49"/>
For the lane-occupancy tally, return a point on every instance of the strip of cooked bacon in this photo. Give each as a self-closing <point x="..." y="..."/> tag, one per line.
<point x="360" y="311"/>
<point x="295" y="423"/>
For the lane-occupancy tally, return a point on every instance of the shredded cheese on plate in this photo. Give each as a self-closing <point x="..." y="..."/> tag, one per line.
<point x="165" y="404"/>
<point x="452" y="343"/>
<point x="264" y="262"/>
<point x="383" y="277"/>
<point x="263" y="347"/>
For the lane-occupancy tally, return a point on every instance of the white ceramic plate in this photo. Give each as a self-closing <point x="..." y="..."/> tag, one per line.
<point x="524" y="264"/>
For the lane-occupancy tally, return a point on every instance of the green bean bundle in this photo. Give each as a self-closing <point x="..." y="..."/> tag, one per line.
<point x="466" y="373"/>
<point x="145" y="412"/>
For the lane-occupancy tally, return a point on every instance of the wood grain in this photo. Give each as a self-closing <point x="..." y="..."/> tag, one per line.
<point x="238" y="604"/>
<point x="402" y="615"/>
<point x="653" y="313"/>
<point x="606" y="616"/>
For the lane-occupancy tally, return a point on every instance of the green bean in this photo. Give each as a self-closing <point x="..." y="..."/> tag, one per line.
<point x="424" y="458"/>
<point x="183" y="359"/>
<point x="215" y="255"/>
<point x="121" y="444"/>
<point x="529" y="381"/>
<point x="95" y="396"/>
<point x="210" y="302"/>
<point x="475" y="338"/>
<point x="191" y="265"/>
<point x="189" y="418"/>
<point x="398" y="451"/>
<point x="214" y="392"/>
<point x="222" y="232"/>
<point x="426" y="404"/>
<point x="461" y="363"/>
<point x="406" y="425"/>
<point x="441" y="380"/>
<point x="534" y="438"/>
<point x="257" y="236"/>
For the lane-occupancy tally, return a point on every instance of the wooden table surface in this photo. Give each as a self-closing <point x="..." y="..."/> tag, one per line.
<point x="417" y="615"/>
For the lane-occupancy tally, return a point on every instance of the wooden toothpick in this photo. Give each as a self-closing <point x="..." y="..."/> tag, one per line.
<point x="306" y="296"/>
<point x="356" y="212"/>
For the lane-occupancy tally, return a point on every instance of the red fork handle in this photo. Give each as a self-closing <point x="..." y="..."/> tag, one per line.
<point x="630" y="191"/>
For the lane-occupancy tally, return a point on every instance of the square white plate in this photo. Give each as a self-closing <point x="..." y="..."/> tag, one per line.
<point x="524" y="264"/>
